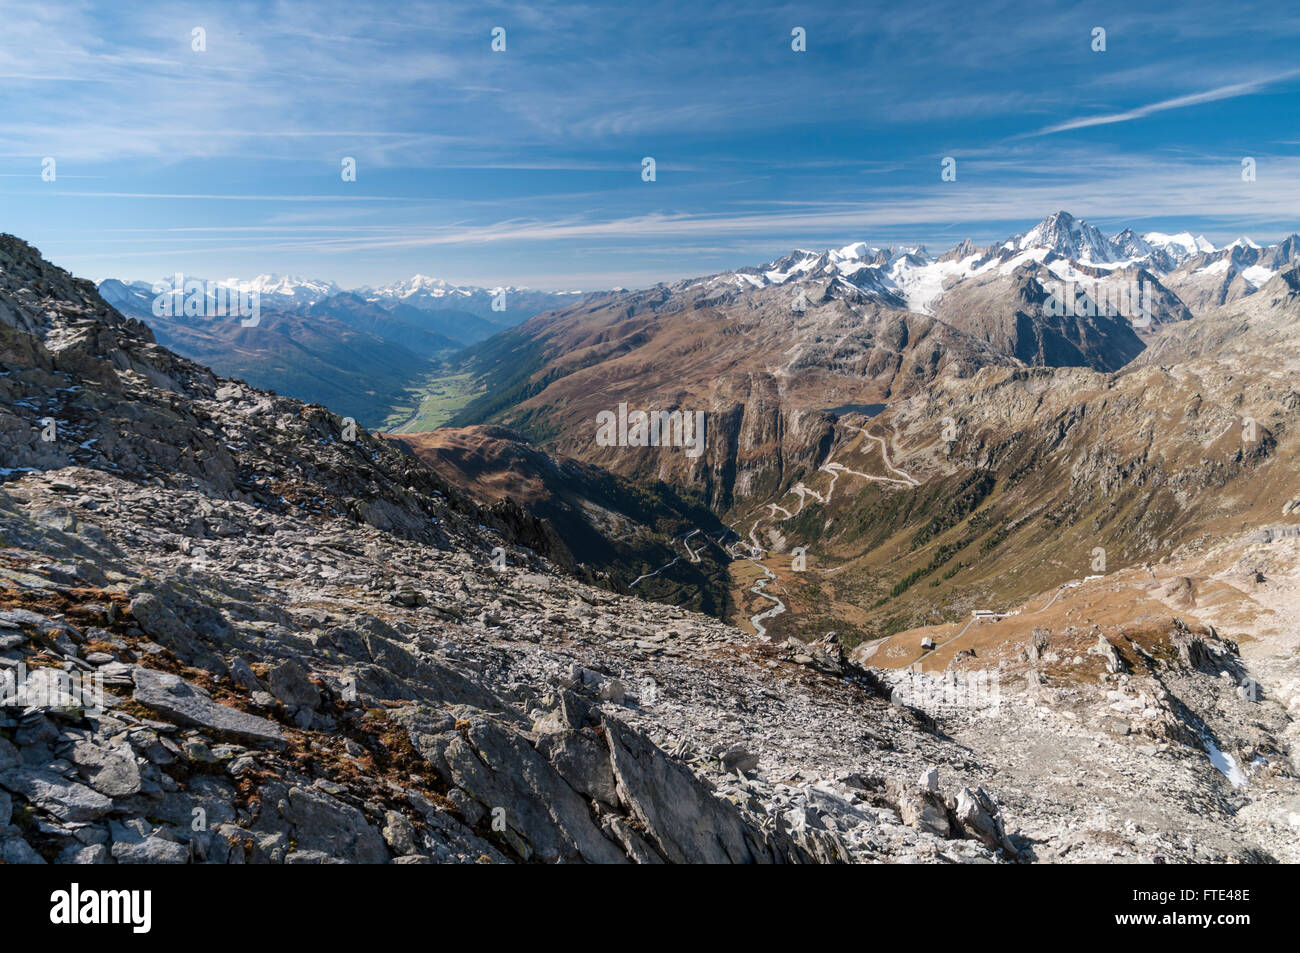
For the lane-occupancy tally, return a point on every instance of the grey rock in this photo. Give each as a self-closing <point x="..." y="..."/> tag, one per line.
<point x="977" y="813"/>
<point x="91" y="854"/>
<point x="544" y="818"/>
<point x="398" y="833"/>
<point x="613" y="690"/>
<point x="161" y="622"/>
<point x="55" y="794"/>
<point x="147" y="742"/>
<point x="583" y="761"/>
<point x="320" y="822"/>
<point x="288" y="682"/>
<point x="618" y="829"/>
<point x="684" y="821"/>
<point x="15" y="850"/>
<point x="189" y="705"/>
<point x="242" y="674"/>
<point x="197" y="750"/>
<point x="310" y="857"/>
<point x="1109" y="654"/>
<point x="110" y="771"/>
<point x="921" y="809"/>
<point x="737" y="757"/>
<point x="150" y="850"/>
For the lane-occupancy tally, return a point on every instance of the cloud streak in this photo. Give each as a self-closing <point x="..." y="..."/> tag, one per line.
<point x="1230" y="91"/>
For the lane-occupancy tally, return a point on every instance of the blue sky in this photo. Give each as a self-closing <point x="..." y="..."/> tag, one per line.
<point x="524" y="167"/>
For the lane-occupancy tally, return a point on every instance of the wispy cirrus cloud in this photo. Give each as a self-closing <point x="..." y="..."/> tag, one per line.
<point x="1230" y="91"/>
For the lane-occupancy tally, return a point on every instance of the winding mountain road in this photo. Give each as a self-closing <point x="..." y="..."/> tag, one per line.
<point x="759" y="588"/>
<point x="835" y="469"/>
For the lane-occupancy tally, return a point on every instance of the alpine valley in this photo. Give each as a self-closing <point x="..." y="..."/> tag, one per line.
<point x="989" y="556"/>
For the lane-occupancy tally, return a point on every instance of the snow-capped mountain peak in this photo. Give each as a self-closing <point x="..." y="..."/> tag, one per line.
<point x="1069" y="237"/>
<point x="1068" y="248"/>
<point x="417" y="286"/>
<point x="1180" y="246"/>
<point x="1129" y="244"/>
<point x="855" y="251"/>
<point x="285" y="291"/>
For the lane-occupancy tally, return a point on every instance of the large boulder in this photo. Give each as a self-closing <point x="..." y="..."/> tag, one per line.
<point x="682" y="817"/>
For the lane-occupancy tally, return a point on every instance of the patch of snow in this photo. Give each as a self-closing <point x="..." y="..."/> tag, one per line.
<point x="1226" y="764"/>
<point x="1257" y="274"/>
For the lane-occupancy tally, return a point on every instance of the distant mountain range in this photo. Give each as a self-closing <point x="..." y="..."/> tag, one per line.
<point x="906" y="275"/>
<point x="369" y="352"/>
<point x="857" y="324"/>
<point x="444" y="304"/>
<point x="1066" y="247"/>
<point x="359" y="352"/>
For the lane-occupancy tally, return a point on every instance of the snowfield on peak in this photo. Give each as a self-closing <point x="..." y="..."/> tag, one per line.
<point x="1184" y="243"/>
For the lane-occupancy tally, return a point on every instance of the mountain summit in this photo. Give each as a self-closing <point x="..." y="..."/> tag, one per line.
<point x="1068" y="237"/>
